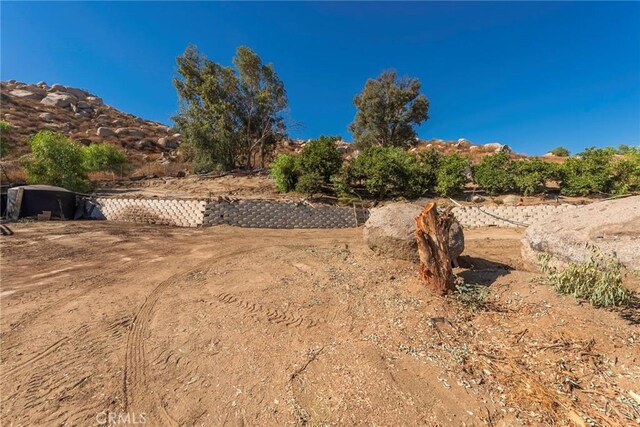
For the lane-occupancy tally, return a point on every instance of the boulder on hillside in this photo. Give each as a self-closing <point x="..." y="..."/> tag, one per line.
<point x="78" y="93"/>
<point x="94" y="100"/>
<point x="104" y="131"/>
<point x="25" y="94"/>
<point x="612" y="227"/>
<point x="390" y="231"/>
<point x="59" y="99"/>
<point x="47" y="117"/>
<point x="167" y="143"/>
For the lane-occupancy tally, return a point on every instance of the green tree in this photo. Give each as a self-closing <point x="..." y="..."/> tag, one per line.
<point x="5" y="130"/>
<point x="388" y="172"/>
<point x="626" y="172"/>
<point x="321" y="157"/>
<point x="531" y="176"/>
<point x="284" y="170"/>
<point x="103" y="157"/>
<point x="590" y="172"/>
<point x="388" y="109"/>
<point x="452" y="174"/>
<point x="560" y="152"/>
<point x="56" y="160"/>
<point x="494" y="173"/>
<point x="229" y="117"/>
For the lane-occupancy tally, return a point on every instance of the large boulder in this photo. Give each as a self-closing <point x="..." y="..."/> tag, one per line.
<point x="25" y="94"/>
<point x="59" y="99"/>
<point x="612" y="227"/>
<point x="390" y="231"/>
<point x="104" y="131"/>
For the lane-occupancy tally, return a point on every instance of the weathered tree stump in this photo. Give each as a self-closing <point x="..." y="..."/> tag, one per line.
<point x="432" y="235"/>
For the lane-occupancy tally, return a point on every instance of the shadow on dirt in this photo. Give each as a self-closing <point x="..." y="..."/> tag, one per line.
<point x="482" y="271"/>
<point x="631" y="313"/>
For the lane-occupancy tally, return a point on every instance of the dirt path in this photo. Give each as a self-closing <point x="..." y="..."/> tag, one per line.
<point x="229" y="326"/>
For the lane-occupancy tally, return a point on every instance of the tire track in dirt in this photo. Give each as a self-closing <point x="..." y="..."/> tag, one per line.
<point x="61" y="376"/>
<point x="135" y="384"/>
<point x="275" y="316"/>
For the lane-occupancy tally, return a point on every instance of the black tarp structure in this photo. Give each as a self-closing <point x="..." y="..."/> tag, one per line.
<point x="31" y="200"/>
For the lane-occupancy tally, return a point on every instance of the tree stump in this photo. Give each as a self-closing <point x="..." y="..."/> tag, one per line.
<point x="432" y="235"/>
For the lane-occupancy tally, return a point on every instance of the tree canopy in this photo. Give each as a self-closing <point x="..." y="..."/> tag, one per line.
<point x="389" y="107"/>
<point x="230" y="116"/>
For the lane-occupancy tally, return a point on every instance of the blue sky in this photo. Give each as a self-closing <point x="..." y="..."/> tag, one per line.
<point x="531" y="75"/>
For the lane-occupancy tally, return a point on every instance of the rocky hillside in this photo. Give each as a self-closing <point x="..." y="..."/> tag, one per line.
<point x="82" y="116"/>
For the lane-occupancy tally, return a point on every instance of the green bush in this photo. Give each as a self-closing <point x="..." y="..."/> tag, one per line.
<point x="626" y="173"/>
<point x="309" y="183"/>
<point x="590" y="172"/>
<point x="104" y="157"/>
<point x="284" y="169"/>
<point x="451" y="176"/>
<point x="560" y="152"/>
<point x="56" y="160"/>
<point x="599" y="280"/>
<point x="320" y="157"/>
<point x="494" y="173"/>
<point x="530" y="176"/>
<point x="387" y="172"/>
<point x="5" y="130"/>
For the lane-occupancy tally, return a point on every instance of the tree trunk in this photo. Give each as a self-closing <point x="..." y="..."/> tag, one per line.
<point x="432" y="235"/>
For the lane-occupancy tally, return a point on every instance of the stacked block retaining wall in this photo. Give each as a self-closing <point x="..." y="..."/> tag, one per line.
<point x="255" y="213"/>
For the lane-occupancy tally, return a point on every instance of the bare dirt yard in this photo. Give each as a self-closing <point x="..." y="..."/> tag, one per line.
<point x="227" y="326"/>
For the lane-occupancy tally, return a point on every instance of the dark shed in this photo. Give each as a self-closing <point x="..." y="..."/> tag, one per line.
<point x="31" y="200"/>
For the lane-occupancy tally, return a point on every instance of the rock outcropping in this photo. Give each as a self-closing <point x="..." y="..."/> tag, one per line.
<point x="80" y="115"/>
<point x="390" y="231"/>
<point x="611" y="227"/>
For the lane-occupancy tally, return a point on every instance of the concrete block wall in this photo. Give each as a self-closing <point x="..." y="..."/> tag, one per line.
<point x="505" y="216"/>
<point x="281" y="214"/>
<point x="255" y="213"/>
<point x="181" y="213"/>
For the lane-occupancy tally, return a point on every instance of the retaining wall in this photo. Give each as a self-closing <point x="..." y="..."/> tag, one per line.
<point x="255" y="213"/>
<point x="182" y="213"/>
<point x="281" y="214"/>
<point x="505" y="216"/>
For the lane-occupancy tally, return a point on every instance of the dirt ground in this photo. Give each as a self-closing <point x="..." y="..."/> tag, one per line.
<point x="104" y="323"/>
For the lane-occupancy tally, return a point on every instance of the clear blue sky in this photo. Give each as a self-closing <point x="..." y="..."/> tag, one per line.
<point x="531" y="75"/>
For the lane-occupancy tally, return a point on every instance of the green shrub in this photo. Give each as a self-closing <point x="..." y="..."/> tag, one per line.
<point x="598" y="281"/>
<point x="321" y="157"/>
<point x="56" y="160"/>
<point x="451" y="176"/>
<point x="626" y="173"/>
<point x="284" y="169"/>
<point x="494" y="173"/>
<point x="590" y="172"/>
<point x="387" y="172"/>
<point x="5" y="130"/>
<point x="530" y="176"/>
<point x="560" y="152"/>
<point x="472" y="296"/>
<point x="104" y="157"/>
<point x="309" y="183"/>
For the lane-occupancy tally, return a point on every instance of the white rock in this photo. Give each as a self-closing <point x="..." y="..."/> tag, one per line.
<point x="25" y="94"/>
<point x="42" y="84"/>
<point x="59" y="99"/>
<point x="94" y="100"/>
<point x="104" y="131"/>
<point x="612" y="226"/>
